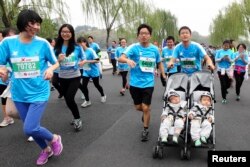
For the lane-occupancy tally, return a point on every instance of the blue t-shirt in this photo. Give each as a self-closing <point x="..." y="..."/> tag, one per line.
<point x="167" y="55"/>
<point x="95" y="47"/>
<point x="111" y="51"/>
<point x="240" y="62"/>
<point x="118" y="53"/>
<point x="91" y="69"/>
<point x="219" y="58"/>
<point x="190" y="57"/>
<point x="28" y="62"/>
<point x="69" y="67"/>
<point x="142" y="75"/>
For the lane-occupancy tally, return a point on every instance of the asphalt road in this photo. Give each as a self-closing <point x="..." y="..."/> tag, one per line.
<point x="111" y="132"/>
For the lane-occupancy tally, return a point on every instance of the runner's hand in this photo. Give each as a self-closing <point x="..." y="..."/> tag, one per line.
<point x="4" y="74"/>
<point x="170" y="65"/>
<point x="131" y="63"/>
<point x="61" y="57"/>
<point x="48" y="74"/>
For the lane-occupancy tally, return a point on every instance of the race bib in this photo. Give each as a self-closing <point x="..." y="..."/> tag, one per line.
<point x="147" y="64"/>
<point x="86" y="67"/>
<point x="188" y="63"/>
<point x="69" y="61"/>
<point x="167" y="59"/>
<point x="26" y="67"/>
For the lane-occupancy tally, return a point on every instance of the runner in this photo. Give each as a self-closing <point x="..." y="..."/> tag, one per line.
<point x="111" y="53"/>
<point x="167" y="52"/>
<point x="142" y="57"/>
<point x="123" y="67"/>
<point x="241" y="61"/>
<point x="28" y="55"/>
<point x="189" y="53"/>
<point x="90" y="70"/>
<point x="70" y="56"/>
<point x="223" y="58"/>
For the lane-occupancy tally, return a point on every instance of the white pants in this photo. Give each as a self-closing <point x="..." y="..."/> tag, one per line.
<point x="167" y="123"/>
<point x="198" y="130"/>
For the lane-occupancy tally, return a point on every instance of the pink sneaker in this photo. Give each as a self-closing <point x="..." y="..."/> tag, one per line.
<point x="57" y="146"/>
<point x="43" y="157"/>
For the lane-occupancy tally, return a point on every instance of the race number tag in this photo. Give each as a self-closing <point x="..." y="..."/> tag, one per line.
<point x="26" y="67"/>
<point x="188" y="62"/>
<point x="69" y="61"/>
<point x="147" y="64"/>
<point x="167" y="59"/>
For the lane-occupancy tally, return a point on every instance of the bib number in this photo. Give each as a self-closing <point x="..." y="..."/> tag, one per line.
<point x="69" y="61"/>
<point x="26" y="67"/>
<point x="147" y="64"/>
<point x="188" y="62"/>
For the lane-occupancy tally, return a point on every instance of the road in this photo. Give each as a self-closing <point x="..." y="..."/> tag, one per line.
<point x="111" y="132"/>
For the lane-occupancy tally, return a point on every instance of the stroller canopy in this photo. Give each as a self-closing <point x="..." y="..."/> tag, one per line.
<point x="177" y="82"/>
<point x="201" y="81"/>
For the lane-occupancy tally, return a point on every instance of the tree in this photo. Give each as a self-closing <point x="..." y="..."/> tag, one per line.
<point x="113" y="12"/>
<point x="228" y="25"/>
<point x="9" y="9"/>
<point x="163" y="24"/>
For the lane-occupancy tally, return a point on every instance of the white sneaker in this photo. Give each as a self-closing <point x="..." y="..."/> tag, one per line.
<point x="30" y="139"/>
<point x="83" y="97"/>
<point x="6" y="122"/>
<point x="86" y="104"/>
<point x="164" y="139"/>
<point x="103" y="99"/>
<point x="175" y="139"/>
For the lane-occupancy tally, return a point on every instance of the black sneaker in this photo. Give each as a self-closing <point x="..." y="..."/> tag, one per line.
<point x="144" y="135"/>
<point x="78" y="124"/>
<point x="60" y="96"/>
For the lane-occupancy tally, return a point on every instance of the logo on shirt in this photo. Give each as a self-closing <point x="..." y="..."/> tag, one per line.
<point x="14" y="53"/>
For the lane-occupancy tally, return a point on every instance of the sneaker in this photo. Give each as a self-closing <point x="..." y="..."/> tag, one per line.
<point x="122" y="92"/>
<point x="78" y="124"/>
<point x="103" y="99"/>
<point x="43" y="157"/>
<point x="86" y="104"/>
<point x="197" y="143"/>
<point x="72" y="122"/>
<point x="224" y="101"/>
<point x="6" y="122"/>
<point x="203" y="139"/>
<point x="144" y="135"/>
<point x="60" y="96"/>
<point x="57" y="146"/>
<point x="175" y="139"/>
<point x="238" y="98"/>
<point x="164" y="139"/>
<point x="83" y="97"/>
<point x="30" y="139"/>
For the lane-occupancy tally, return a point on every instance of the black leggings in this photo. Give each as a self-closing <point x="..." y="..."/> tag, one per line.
<point x="70" y="87"/>
<point x="225" y="83"/>
<point x="2" y="88"/>
<point x="124" y="78"/>
<point x="85" y="81"/>
<point x="239" y="78"/>
<point x="113" y="62"/>
<point x="56" y="83"/>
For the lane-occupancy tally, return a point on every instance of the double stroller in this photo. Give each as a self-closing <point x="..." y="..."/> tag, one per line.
<point x="190" y="89"/>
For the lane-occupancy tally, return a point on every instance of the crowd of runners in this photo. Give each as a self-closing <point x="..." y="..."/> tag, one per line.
<point x="32" y="66"/>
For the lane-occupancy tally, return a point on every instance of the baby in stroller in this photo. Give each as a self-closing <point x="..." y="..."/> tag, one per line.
<point x="201" y="116"/>
<point x="173" y="115"/>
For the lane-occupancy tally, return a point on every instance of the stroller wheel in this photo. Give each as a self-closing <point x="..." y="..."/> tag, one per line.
<point x="160" y="153"/>
<point x="185" y="155"/>
<point x="155" y="152"/>
<point x="188" y="157"/>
